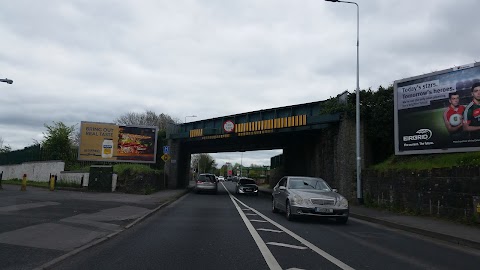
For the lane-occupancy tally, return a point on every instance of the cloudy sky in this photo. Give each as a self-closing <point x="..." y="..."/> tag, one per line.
<point x="84" y="60"/>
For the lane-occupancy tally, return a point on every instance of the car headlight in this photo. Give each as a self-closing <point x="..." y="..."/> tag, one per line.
<point x="343" y="203"/>
<point x="297" y="199"/>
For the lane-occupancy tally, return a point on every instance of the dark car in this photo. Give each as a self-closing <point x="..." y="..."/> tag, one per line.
<point x="246" y="186"/>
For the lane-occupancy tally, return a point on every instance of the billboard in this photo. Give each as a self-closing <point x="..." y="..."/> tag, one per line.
<point x="438" y="112"/>
<point x="110" y="142"/>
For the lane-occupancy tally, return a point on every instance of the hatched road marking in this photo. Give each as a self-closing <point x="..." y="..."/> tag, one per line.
<point x="258" y="220"/>
<point x="285" y="245"/>
<point x="268" y="230"/>
<point x="316" y="249"/>
<point x="266" y="253"/>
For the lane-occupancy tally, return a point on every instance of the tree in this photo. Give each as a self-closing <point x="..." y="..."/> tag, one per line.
<point x="4" y="148"/>
<point x="148" y="118"/>
<point x="57" y="142"/>
<point x="376" y="113"/>
<point x="204" y="163"/>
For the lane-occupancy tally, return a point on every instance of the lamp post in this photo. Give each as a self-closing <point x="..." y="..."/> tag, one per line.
<point x="359" y="158"/>
<point x="6" y="81"/>
<point x="189" y="116"/>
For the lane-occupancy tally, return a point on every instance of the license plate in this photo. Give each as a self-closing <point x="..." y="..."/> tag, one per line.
<point x="248" y="189"/>
<point x="323" y="210"/>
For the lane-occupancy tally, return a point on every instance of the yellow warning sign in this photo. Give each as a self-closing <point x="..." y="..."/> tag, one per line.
<point x="166" y="157"/>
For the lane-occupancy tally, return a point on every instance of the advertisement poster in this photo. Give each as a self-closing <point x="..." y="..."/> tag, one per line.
<point x="438" y="112"/>
<point x="110" y="142"/>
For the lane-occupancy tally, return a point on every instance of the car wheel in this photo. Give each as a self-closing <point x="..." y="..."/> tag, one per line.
<point x="341" y="220"/>
<point x="288" y="213"/>
<point x="274" y="208"/>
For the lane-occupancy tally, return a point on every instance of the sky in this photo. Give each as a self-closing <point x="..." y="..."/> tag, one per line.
<point x="74" y="61"/>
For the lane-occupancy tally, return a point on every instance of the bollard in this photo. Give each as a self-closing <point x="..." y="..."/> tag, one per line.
<point x="52" y="183"/>
<point x="24" y="183"/>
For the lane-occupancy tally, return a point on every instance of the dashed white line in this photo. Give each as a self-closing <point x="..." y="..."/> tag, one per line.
<point x="285" y="245"/>
<point x="269" y="230"/>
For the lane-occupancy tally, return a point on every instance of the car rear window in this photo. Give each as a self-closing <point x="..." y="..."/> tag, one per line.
<point x="206" y="178"/>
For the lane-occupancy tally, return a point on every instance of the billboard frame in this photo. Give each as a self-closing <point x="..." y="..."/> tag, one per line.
<point x="121" y="161"/>
<point x="395" y="112"/>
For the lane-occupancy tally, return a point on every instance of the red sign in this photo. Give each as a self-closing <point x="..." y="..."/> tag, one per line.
<point x="228" y="126"/>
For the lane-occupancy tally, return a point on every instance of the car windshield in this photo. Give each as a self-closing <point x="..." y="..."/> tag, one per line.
<point x="308" y="183"/>
<point x="246" y="181"/>
<point x="206" y="178"/>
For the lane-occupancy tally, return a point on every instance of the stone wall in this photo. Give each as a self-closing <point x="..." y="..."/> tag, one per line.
<point x="36" y="171"/>
<point x="275" y="175"/>
<point x="446" y="192"/>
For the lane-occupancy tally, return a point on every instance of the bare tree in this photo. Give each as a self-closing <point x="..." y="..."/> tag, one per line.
<point x="4" y="148"/>
<point x="148" y="118"/>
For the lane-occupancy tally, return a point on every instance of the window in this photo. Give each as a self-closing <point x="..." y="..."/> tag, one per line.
<point x="308" y="183"/>
<point x="282" y="182"/>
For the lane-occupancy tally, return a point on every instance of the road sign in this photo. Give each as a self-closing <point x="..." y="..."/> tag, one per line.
<point x="165" y="157"/>
<point x="166" y="149"/>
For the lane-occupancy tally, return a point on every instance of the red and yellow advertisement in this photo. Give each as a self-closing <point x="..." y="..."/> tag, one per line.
<point x="110" y="142"/>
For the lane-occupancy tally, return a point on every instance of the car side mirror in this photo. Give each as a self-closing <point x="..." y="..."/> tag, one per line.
<point x="282" y="188"/>
<point x="335" y="190"/>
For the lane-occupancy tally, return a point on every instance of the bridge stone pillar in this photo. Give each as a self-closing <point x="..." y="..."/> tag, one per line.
<point x="328" y="153"/>
<point x="177" y="168"/>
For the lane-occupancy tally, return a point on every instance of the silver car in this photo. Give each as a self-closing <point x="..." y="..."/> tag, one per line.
<point x="206" y="182"/>
<point x="308" y="196"/>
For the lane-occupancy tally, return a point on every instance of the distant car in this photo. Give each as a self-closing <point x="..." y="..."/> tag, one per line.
<point x="246" y="186"/>
<point x="206" y="182"/>
<point x="221" y="178"/>
<point x="308" y="196"/>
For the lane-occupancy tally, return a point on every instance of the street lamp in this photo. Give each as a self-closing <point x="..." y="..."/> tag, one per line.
<point x="359" y="158"/>
<point x="6" y="81"/>
<point x="189" y="116"/>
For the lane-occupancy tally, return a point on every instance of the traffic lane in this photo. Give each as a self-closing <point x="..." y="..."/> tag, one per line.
<point x="18" y="257"/>
<point x="357" y="240"/>
<point x="199" y="231"/>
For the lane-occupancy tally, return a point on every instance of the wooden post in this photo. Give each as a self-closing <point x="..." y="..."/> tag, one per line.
<point x="24" y="183"/>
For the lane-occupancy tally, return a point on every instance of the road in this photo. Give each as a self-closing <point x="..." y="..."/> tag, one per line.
<point x="223" y="231"/>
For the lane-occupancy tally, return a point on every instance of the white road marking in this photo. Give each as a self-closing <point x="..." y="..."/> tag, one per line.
<point x="269" y="230"/>
<point x="251" y="214"/>
<point x="285" y="245"/>
<point x="258" y="220"/>
<point x="245" y="209"/>
<point x="295" y="269"/>
<point x="319" y="251"/>
<point x="266" y="253"/>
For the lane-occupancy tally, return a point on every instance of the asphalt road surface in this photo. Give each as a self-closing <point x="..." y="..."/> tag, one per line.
<point x="225" y="231"/>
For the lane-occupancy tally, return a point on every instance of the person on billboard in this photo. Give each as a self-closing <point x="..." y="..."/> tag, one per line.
<point x="471" y="115"/>
<point x="453" y="115"/>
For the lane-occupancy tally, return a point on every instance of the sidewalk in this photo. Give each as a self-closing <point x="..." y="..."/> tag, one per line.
<point x="427" y="226"/>
<point x="53" y="225"/>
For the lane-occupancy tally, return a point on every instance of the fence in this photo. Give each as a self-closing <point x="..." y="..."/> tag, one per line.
<point x="37" y="153"/>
